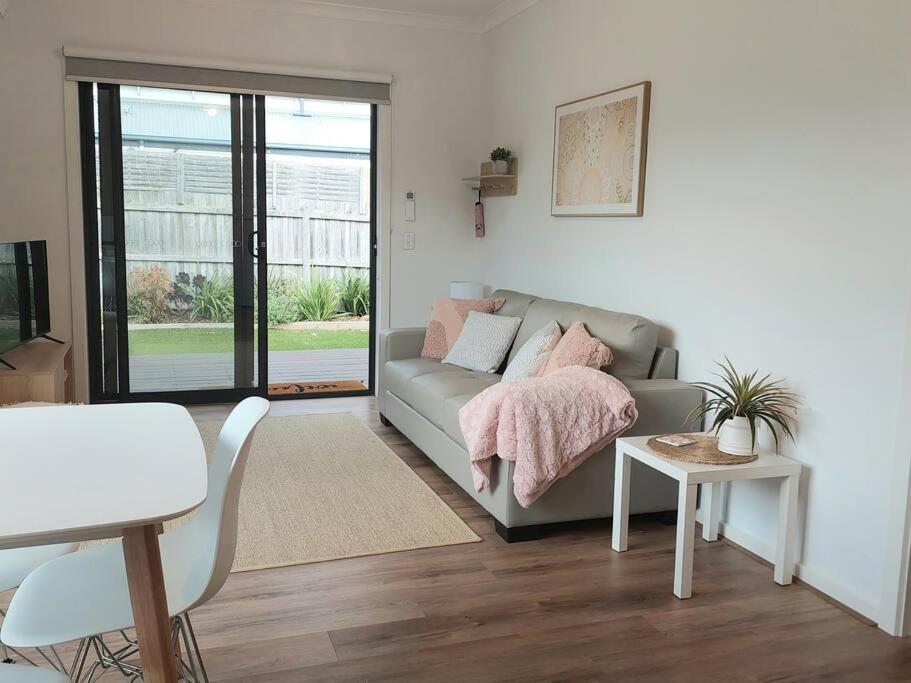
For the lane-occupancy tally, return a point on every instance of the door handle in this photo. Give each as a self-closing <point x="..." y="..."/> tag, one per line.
<point x="251" y="244"/>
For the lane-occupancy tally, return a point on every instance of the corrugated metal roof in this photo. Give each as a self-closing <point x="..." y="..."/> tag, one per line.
<point x="200" y="123"/>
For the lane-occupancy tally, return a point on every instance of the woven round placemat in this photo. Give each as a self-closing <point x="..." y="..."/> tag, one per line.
<point x="703" y="452"/>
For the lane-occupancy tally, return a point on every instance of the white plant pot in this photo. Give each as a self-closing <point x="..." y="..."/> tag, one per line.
<point x="735" y="438"/>
<point x="501" y="167"/>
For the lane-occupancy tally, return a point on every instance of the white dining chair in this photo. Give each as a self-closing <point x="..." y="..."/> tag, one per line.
<point x="15" y="565"/>
<point x="14" y="673"/>
<point x="85" y="594"/>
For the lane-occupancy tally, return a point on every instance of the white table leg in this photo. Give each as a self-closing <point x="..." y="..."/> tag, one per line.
<point x="620" y="523"/>
<point x="787" y="523"/>
<point x="711" y="510"/>
<point x="686" y="527"/>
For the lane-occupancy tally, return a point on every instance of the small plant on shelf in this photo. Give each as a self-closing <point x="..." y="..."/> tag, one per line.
<point x="741" y="403"/>
<point x="500" y="158"/>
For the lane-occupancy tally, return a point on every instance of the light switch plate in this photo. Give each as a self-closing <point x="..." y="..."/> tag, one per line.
<point x="408" y="240"/>
<point x="409" y="207"/>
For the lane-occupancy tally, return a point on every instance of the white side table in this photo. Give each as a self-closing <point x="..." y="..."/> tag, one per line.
<point x="689" y="476"/>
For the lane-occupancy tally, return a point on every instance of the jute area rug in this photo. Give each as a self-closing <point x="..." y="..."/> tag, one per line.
<point x="325" y="487"/>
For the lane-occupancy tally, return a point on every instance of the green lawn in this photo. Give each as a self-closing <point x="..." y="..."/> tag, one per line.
<point x="221" y="340"/>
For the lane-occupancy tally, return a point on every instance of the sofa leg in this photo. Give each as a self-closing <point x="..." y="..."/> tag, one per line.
<point x="517" y="534"/>
<point x="385" y="422"/>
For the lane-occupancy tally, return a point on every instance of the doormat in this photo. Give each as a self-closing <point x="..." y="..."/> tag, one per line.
<point x="286" y="389"/>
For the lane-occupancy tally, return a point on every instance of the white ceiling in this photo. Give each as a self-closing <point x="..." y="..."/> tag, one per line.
<point x="459" y="15"/>
<point x="463" y="9"/>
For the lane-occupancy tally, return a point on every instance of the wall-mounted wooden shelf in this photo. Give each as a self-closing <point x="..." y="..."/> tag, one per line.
<point x="495" y="185"/>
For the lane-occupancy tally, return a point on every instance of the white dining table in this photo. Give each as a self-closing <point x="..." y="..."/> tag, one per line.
<point x="81" y="473"/>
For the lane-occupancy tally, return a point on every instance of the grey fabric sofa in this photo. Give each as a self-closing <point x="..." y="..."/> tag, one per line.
<point x="422" y="398"/>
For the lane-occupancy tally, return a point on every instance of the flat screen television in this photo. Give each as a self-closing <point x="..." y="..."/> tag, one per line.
<point x="25" y="312"/>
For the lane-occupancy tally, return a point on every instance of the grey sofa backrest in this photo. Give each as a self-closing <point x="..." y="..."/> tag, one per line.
<point x="632" y="338"/>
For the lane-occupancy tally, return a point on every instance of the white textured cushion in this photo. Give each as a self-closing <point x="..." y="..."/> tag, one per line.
<point x="483" y="342"/>
<point x="533" y="355"/>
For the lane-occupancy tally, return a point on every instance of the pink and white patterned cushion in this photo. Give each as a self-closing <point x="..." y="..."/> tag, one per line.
<point x="578" y="347"/>
<point x="534" y="354"/>
<point x="447" y="316"/>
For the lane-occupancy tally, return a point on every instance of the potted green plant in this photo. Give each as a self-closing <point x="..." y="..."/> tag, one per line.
<point x="500" y="158"/>
<point x="741" y="403"/>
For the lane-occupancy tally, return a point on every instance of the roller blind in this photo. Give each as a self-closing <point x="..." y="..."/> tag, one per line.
<point x="223" y="80"/>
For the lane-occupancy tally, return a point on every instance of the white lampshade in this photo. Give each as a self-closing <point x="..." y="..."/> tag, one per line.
<point x="463" y="289"/>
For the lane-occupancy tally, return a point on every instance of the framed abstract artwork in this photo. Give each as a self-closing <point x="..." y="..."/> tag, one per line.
<point x="599" y="154"/>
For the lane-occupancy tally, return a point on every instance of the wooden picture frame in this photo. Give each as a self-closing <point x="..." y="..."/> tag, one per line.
<point x="600" y="145"/>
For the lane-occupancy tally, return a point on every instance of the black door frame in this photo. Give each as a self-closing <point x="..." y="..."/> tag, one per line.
<point x="108" y="352"/>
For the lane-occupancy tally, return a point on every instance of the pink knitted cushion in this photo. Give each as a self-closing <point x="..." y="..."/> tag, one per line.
<point x="578" y="347"/>
<point x="446" y="320"/>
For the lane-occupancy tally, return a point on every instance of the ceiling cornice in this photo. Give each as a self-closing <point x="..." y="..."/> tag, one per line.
<point x="505" y="11"/>
<point x="325" y="8"/>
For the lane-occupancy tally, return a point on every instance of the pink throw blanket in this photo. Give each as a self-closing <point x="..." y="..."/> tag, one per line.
<point x="548" y="425"/>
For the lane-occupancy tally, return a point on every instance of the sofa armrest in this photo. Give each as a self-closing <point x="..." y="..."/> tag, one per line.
<point x="399" y="343"/>
<point x="396" y="343"/>
<point x="663" y="406"/>
<point x="664" y="364"/>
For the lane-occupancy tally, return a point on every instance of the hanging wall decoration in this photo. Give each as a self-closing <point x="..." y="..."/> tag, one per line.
<point x="599" y="154"/>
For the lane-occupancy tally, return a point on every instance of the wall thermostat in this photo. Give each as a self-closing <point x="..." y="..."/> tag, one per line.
<point x="409" y="206"/>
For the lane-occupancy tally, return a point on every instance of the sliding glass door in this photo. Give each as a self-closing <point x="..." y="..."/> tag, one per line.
<point x="321" y="246"/>
<point x="189" y="299"/>
<point x="173" y="235"/>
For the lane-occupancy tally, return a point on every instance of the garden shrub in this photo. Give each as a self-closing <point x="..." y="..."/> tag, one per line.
<point x="148" y="294"/>
<point x="354" y="293"/>
<point x="213" y="299"/>
<point x="317" y="300"/>
<point x="282" y="310"/>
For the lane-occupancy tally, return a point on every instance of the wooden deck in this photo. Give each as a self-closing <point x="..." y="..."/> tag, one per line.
<point x="191" y="371"/>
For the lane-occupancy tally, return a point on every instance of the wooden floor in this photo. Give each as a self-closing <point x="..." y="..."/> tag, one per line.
<point x="563" y="608"/>
<point x="216" y="370"/>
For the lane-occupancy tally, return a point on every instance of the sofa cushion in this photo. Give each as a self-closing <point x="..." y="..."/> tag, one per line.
<point x="447" y="317"/>
<point x="484" y="342"/>
<point x="578" y="347"/>
<point x="515" y="303"/>
<point x="530" y="360"/>
<point x="428" y="385"/>
<point x="631" y="338"/>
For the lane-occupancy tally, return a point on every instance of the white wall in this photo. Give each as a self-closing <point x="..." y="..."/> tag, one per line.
<point x="775" y="226"/>
<point x="435" y="74"/>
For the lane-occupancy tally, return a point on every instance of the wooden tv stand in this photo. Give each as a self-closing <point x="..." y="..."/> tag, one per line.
<point x="44" y="372"/>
